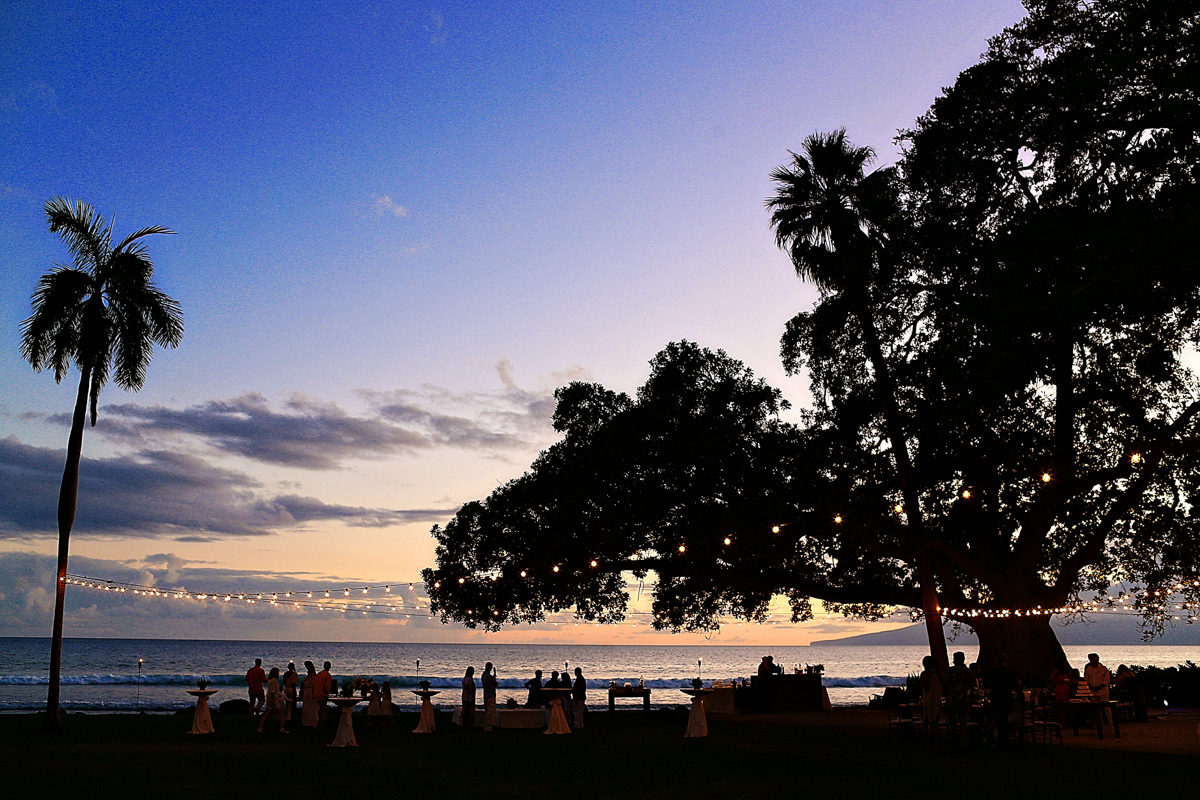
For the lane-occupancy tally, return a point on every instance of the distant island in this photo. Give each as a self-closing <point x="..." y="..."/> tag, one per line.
<point x="1098" y="629"/>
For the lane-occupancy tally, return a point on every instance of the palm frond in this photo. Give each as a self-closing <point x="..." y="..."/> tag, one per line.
<point x="105" y="314"/>
<point x="133" y="237"/>
<point x="47" y="338"/>
<point x="82" y="230"/>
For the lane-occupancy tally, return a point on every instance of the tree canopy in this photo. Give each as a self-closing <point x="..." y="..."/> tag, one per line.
<point x="1003" y="416"/>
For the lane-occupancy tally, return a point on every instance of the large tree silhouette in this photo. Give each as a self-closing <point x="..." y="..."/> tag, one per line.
<point x="836" y="222"/>
<point x="1003" y="417"/>
<point x="103" y="315"/>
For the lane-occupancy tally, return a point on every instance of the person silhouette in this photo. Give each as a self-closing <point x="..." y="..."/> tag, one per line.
<point x="489" y="696"/>
<point x="255" y="678"/>
<point x="579" y="696"/>
<point x="468" y="700"/>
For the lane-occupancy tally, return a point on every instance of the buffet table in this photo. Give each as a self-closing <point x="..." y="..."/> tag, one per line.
<point x="628" y="692"/>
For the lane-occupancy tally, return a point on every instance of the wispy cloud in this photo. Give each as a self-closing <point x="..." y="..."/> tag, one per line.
<point x="312" y="434"/>
<point x="162" y="494"/>
<point x="385" y="205"/>
<point x="307" y="433"/>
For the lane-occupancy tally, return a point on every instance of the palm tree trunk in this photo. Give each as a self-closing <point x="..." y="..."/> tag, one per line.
<point x="67" y="495"/>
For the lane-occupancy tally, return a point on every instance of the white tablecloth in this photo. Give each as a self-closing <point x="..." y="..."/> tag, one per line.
<point x="697" y="727"/>
<point x="202" y="721"/>
<point x="558" y="720"/>
<point x="345" y="731"/>
<point x="427" y="723"/>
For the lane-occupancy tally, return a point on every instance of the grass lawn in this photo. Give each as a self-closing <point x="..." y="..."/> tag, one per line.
<point x="620" y="754"/>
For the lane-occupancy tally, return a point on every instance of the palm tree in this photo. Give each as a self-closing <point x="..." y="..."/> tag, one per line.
<point x="834" y="220"/>
<point x="104" y="314"/>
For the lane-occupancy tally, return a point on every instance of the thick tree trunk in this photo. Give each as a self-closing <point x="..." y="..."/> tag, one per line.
<point x="933" y="613"/>
<point x="1030" y="643"/>
<point x="67" y="495"/>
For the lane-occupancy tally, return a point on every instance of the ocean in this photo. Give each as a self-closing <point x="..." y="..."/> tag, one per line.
<point x="101" y="675"/>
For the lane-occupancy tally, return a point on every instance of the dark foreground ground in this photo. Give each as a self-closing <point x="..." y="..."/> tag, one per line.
<point x="846" y="753"/>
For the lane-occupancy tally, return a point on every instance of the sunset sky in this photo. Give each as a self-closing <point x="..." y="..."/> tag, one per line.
<point x="399" y="229"/>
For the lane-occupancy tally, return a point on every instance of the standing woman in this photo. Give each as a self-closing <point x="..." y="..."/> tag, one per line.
<point x="374" y="705"/>
<point x="468" y="700"/>
<point x="309" y="716"/>
<point x="275" y="706"/>
<point x="385" y="703"/>
<point x="290" y="683"/>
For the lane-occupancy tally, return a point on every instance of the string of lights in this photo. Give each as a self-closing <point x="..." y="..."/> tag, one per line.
<point x="321" y="600"/>
<point x="1157" y="601"/>
<point x="343" y="604"/>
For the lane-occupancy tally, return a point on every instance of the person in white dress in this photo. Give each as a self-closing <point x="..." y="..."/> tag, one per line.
<point x="1098" y="679"/>
<point x="275" y="705"/>
<point x="309" y="715"/>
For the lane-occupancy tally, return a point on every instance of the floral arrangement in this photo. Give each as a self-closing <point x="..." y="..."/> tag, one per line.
<point x="423" y="685"/>
<point x="202" y="684"/>
<point x="697" y="683"/>
<point x="363" y="684"/>
<point x="510" y="702"/>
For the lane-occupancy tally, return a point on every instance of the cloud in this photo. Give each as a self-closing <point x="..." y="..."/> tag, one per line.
<point x="513" y="418"/>
<point x="162" y="494"/>
<point x="313" y="434"/>
<point x="385" y="205"/>
<point x="436" y="28"/>
<point x="308" y="434"/>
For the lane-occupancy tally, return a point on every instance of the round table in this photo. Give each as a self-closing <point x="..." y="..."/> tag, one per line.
<point x="345" y="731"/>
<point x="427" y="723"/>
<point x="558" y="720"/>
<point x="697" y="726"/>
<point x="202" y="720"/>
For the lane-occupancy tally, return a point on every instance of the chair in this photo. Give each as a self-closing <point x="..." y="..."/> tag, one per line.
<point x="1045" y="727"/>
<point x="903" y="722"/>
<point x="1025" y="726"/>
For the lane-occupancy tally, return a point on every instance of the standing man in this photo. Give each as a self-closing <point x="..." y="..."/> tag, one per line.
<point x="960" y="686"/>
<point x="255" y="678"/>
<point x="579" y="696"/>
<point x="536" y="699"/>
<point x="1098" y="679"/>
<point x="321" y="694"/>
<point x="468" y="699"/>
<point x="1001" y="682"/>
<point x="489" y="696"/>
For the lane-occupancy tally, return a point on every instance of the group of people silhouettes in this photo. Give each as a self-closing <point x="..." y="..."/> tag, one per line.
<point x="276" y="696"/>
<point x="962" y="686"/>
<point x="575" y="710"/>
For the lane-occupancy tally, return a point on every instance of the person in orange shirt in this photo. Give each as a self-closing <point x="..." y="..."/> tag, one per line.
<point x="255" y="678"/>
<point x="321" y="691"/>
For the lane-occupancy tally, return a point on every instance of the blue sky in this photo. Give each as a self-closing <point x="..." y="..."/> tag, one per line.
<point x="400" y="227"/>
